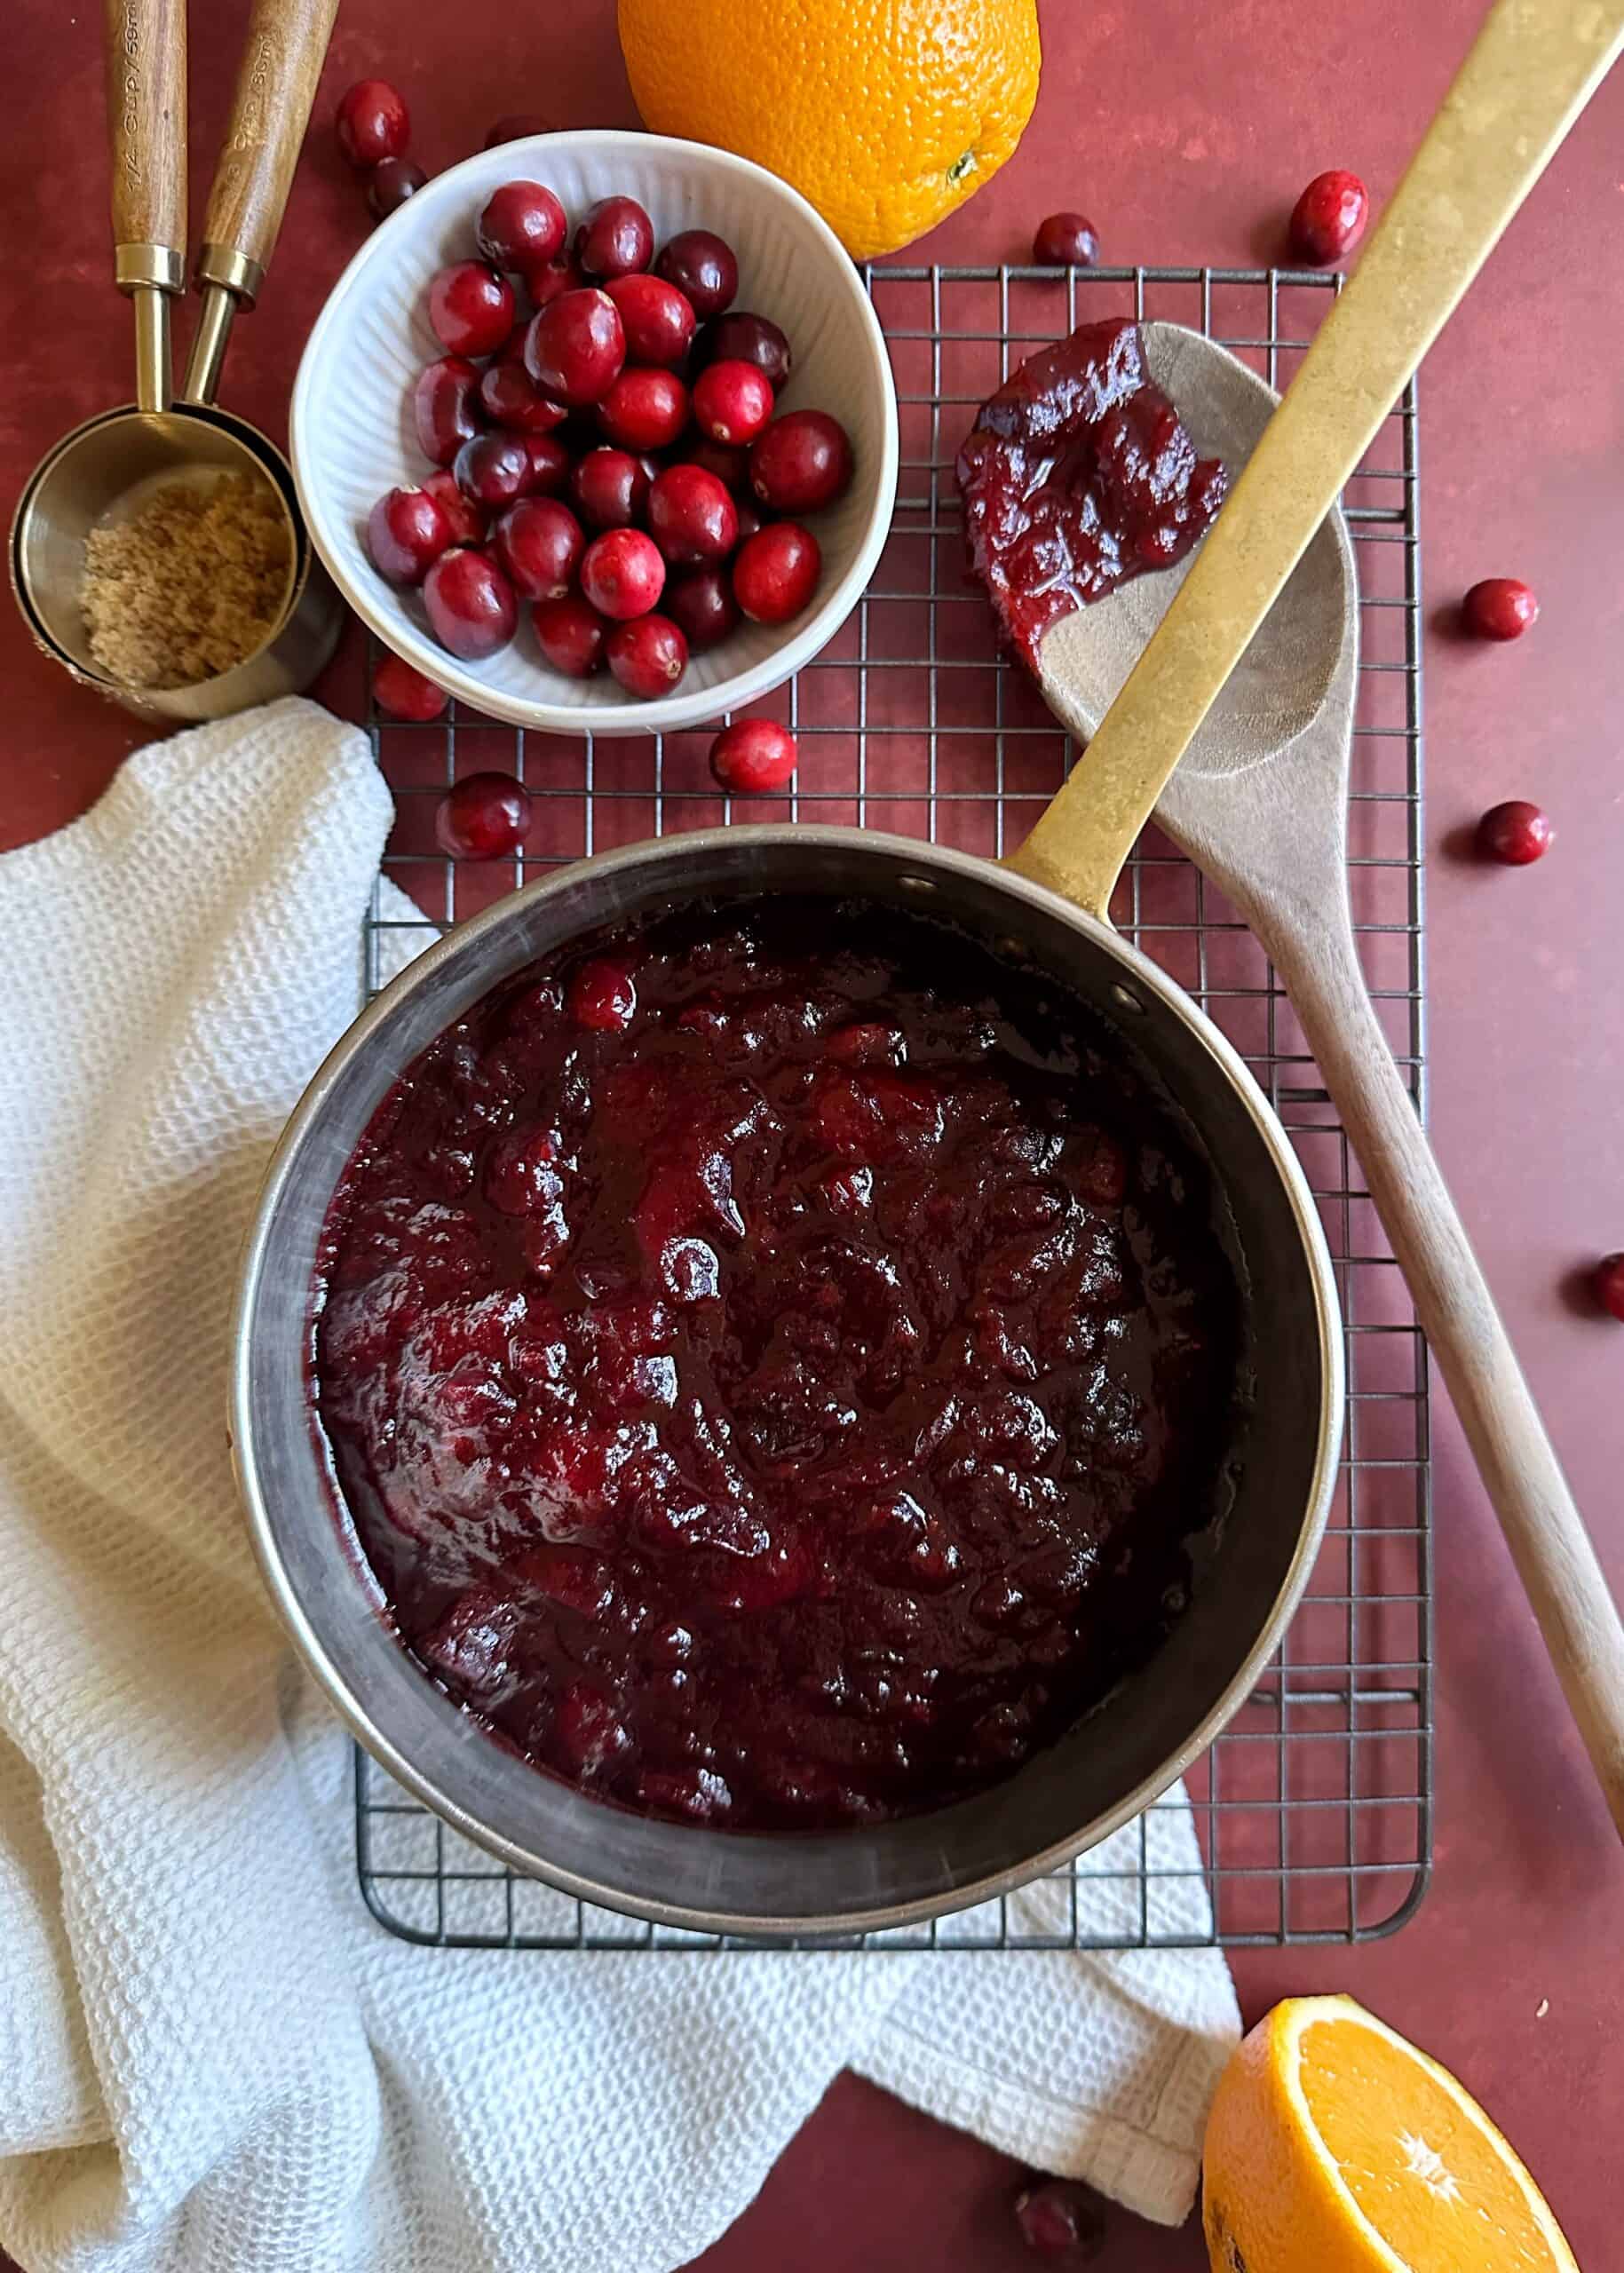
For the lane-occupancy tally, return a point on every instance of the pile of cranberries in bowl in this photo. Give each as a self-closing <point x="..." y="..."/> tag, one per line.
<point x="607" y="448"/>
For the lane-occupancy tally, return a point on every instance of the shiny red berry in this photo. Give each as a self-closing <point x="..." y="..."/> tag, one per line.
<point x="602" y="995"/>
<point x="659" y="319"/>
<point x="804" y="461"/>
<point x="1328" y="219"/>
<point x="1514" y="834"/>
<point x="776" y="573"/>
<point x="1608" y="1280"/>
<point x="484" y="816"/>
<point x="609" y="487"/>
<point x="549" y="465"/>
<point x="522" y="226"/>
<point x="570" y="634"/>
<point x="550" y="279"/>
<point x="393" y="182"/>
<point x="1061" y="2220"/>
<point x="643" y="409"/>
<point x="539" y="543"/>
<point x="702" y="601"/>
<point x="471" y="308"/>
<point x="647" y="655"/>
<point x="446" y="408"/>
<point x="470" y="605"/>
<point x="729" y="463"/>
<point x="509" y="396"/>
<point x="617" y="238"/>
<point x="623" y="574"/>
<point x="733" y="401"/>
<point x="401" y="690"/>
<point x="1065" y="240"/>
<point x="1499" y="607"/>
<point x="373" y="123"/>
<point x="744" y="337"/>
<point x="703" y="269"/>
<point x="407" y="531"/>
<point x="469" y="524"/>
<point x="574" y="348"/>
<point x="753" y="755"/>
<point x="691" y="516"/>
<point x="493" y="469"/>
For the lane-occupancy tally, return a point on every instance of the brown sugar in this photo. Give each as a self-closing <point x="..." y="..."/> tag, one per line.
<point x="189" y="585"/>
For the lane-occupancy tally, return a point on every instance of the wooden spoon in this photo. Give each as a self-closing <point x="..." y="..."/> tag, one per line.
<point x="1264" y="729"/>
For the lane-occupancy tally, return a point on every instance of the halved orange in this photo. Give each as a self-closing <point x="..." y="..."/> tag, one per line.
<point x="1333" y="2146"/>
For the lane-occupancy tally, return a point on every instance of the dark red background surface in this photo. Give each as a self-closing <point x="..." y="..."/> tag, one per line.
<point x="1186" y="144"/>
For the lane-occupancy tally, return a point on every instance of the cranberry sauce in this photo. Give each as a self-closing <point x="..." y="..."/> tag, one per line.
<point x="778" y="1362"/>
<point x="1078" y="474"/>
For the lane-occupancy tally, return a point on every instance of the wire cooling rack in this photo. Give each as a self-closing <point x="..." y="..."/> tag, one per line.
<point x="1311" y="1814"/>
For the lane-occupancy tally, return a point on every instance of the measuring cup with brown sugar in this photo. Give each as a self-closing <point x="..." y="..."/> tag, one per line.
<point x="157" y="551"/>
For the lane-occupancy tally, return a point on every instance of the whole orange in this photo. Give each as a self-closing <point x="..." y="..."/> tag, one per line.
<point x="885" y="114"/>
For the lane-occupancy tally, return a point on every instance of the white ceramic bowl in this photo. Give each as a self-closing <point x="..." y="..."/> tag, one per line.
<point x="353" y="439"/>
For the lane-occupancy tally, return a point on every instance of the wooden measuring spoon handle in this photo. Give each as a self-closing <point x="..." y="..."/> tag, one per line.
<point x="287" y="45"/>
<point x="1550" y="1545"/>
<point x="146" y="56"/>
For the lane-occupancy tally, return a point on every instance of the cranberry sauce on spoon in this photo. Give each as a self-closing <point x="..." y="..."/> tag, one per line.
<point x="779" y="1361"/>
<point x="1077" y="475"/>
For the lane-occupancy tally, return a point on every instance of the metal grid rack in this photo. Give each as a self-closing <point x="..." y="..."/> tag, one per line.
<point x="1312" y="1815"/>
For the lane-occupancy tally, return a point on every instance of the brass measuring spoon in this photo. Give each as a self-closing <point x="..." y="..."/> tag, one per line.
<point x="107" y="469"/>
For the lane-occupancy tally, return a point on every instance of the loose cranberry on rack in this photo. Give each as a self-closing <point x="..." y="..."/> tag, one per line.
<point x="733" y="401"/>
<point x="804" y="461"/>
<point x="702" y="267"/>
<point x="753" y="756"/>
<point x="493" y="469"/>
<point x="1499" y="607"/>
<point x="1328" y="219"/>
<point x="373" y="123"/>
<point x="648" y="655"/>
<point x="522" y="226"/>
<point x="742" y="336"/>
<point x="401" y="690"/>
<point x="470" y="605"/>
<point x="658" y="319"/>
<point x="623" y="574"/>
<point x="406" y="532"/>
<point x="1065" y="240"/>
<point x="539" y="543"/>
<point x="776" y="573"/>
<point x="471" y="308"/>
<point x="617" y="238"/>
<point x="484" y="816"/>
<point x="509" y="396"/>
<point x="570" y="634"/>
<point x="610" y="488"/>
<point x="468" y="523"/>
<point x="691" y="516"/>
<point x="391" y="184"/>
<point x="575" y="347"/>
<point x="1514" y="834"/>
<point x="702" y="601"/>
<point x="446" y="408"/>
<point x="643" y="409"/>
<point x="1608" y="1280"/>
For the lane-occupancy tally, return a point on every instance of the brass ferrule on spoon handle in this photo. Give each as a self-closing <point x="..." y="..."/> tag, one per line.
<point x="281" y="62"/>
<point x="1534" y="66"/>
<point x="145" y="46"/>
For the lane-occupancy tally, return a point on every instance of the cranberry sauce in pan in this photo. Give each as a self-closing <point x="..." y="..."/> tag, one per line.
<point x="1077" y="475"/>
<point x="778" y="1362"/>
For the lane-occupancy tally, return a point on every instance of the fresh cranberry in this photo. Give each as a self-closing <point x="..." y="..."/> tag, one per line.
<point x="1060" y="2218"/>
<point x="1065" y="240"/>
<point x="484" y="816"/>
<point x="539" y="543"/>
<point x="702" y="601"/>
<point x="623" y="574"/>
<point x="549" y="279"/>
<point x="446" y="408"/>
<point x="731" y="401"/>
<point x="522" y="227"/>
<point x="509" y="396"/>
<point x="373" y="123"/>
<point x="802" y="461"/>
<point x="602" y="996"/>
<point x="1499" y="607"/>
<point x="549" y="465"/>
<point x="615" y="238"/>
<point x="659" y="321"/>
<point x="1608" y="1280"/>
<point x="575" y="347"/>
<point x="517" y="126"/>
<point x="571" y="634"/>
<point x="401" y="690"/>
<point x="702" y="267"/>
<point x="741" y="337"/>
<point x="729" y="463"/>
<point x="750" y="520"/>
<point x="467" y="523"/>
<point x="753" y="755"/>
<point x="648" y="655"/>
<point x="610" y="488"/>
<point x="691" y="516"/>
<point x="1514" y="834"/>
<point x="470" y="605"/>
<point x="393" y="182"/>
<point x="645" y="410"/>
<point x="776" y="573"/>
<point x="493" y="469"/>
<point x="471" y="308"/>
<point x="1329" y="218"/>
<point x="405" y="534"/>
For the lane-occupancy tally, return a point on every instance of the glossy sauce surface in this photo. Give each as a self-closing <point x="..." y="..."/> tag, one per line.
<point x="1077" y="475"/>
<point x="778" y="1361"/>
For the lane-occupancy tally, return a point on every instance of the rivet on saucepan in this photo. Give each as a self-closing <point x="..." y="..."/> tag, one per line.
<point x="916" y="884"/>
<point x="1126" y="999"/>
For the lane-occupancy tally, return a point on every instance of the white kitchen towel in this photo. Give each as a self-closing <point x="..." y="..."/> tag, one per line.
<point x="212" y="2060"/>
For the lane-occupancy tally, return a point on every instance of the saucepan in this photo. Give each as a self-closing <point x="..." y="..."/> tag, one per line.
<point x="1115" y="1760"/>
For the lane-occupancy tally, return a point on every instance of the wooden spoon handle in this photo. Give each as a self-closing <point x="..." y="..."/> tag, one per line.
<point x="1550" y="1545"/>
<point x="1534" y="66"/>
<point x="287" y="45"/>
<point x="145" y="54"/>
